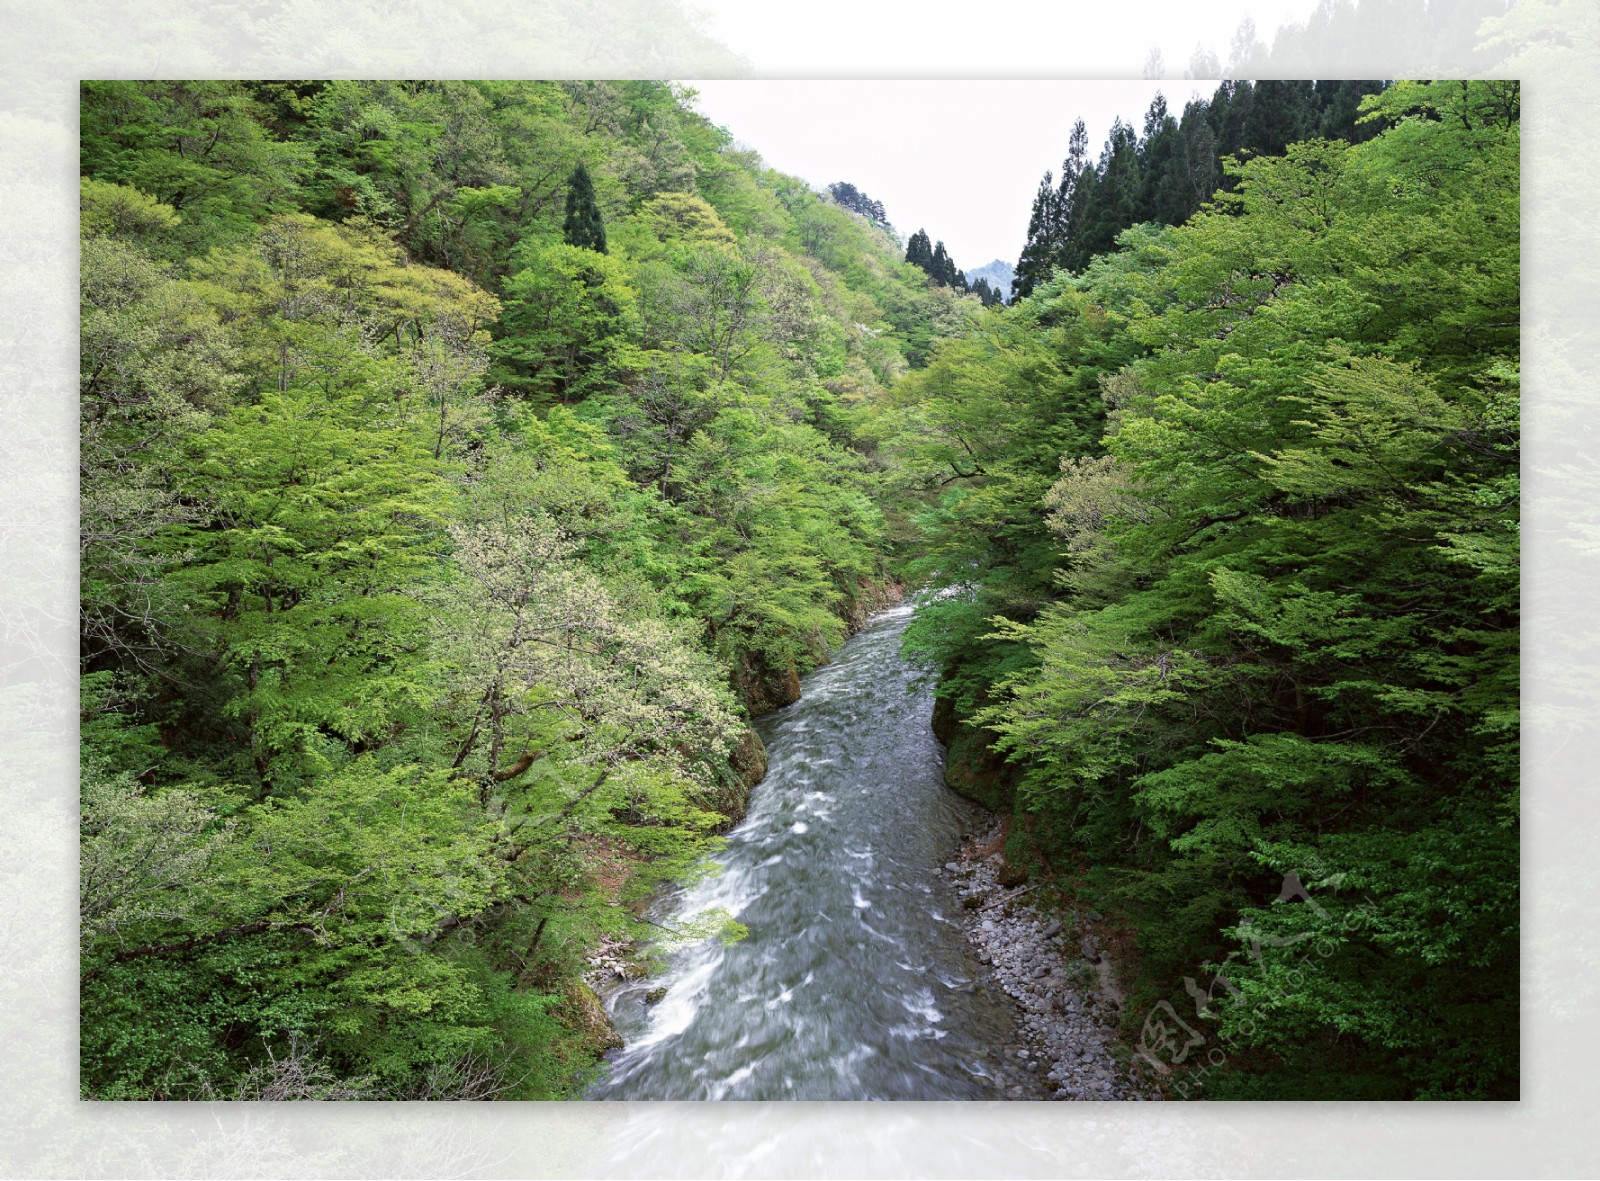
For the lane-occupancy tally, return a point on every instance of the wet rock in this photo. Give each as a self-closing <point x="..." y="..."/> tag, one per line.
<point x="1068" y="1033"/>
<point x="655" y="996"/>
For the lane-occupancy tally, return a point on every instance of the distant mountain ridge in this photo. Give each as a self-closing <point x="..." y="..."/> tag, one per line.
<point x="999" y="273"/>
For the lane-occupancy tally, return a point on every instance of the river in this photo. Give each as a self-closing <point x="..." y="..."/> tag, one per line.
<point x="855" y="981"/>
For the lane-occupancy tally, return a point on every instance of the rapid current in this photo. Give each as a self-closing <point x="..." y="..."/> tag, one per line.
<point x="855" y="981"/>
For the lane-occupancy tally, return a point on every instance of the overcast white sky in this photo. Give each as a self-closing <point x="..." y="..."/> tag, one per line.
<point x="983" y="38"/>
<point x="961" y="159"/>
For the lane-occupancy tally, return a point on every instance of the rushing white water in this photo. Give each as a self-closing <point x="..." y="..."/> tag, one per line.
<point x="855" y="981"/>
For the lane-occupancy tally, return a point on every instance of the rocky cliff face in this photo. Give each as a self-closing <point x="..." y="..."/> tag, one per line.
<point x="971" y="769"/>
<point x="764" y="689"/>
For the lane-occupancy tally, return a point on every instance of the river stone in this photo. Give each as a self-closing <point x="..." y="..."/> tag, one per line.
<point x="655" y="996"/>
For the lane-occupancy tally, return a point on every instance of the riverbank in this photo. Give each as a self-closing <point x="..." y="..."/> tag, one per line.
<point x="843" y="873"/>
<point x="855" y="979"/>
<point x="1056" y="975"/>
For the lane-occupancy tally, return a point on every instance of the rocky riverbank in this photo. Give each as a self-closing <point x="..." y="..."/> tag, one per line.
<point x="1056" y="974"/>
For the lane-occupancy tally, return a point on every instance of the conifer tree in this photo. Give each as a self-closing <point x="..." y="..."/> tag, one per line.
<point x="583" y="225"/>
<point x="1163" y="194"/>
<point x="1277" y="116"/>
<point x="1055" y="211"/>
<point x="852" y="198"/>
<point x="1038" y="254"/>
<point x="919" y="251"/>
<point x="987" y="295"/>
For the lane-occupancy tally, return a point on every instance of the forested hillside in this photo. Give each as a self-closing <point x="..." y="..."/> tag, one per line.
<point x="462" y="464"/>
<point x="1166" y="170"/>
<point x="1234" y="514"/>
<point x="465" y="465"/>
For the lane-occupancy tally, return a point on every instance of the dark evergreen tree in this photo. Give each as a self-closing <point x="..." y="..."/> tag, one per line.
<point x="1230" y="108"/>
<point x="1163" y="188"/>
<point x="854" y="199"/>
<point x="1073" y="198"/>
<point x="986" y="294"/>
<point x="1198" y="146"/>
<point x="1337" y="103"/>
<point x="919" y="251"/>
<point x="1043" y="244"/>
<point x="1111" y="205"/>
<point x="583" y="225"/>
<point x="936" y="261"/>
<point x="1279" y="114"/>
<point x="1055" y="211"/>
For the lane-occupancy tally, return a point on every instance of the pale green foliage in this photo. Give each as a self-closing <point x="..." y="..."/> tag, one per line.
<point x="315" y="304"/>
<point x="144" y="858"/>
<point x="680" y="217"/>
<point x="715" y="923"/>
<point x="155" y="362"/>
<point x="370" y="859"/>
<point x="1092" y="497"/>
<point x="1289" y="632"/>
<point x="427" y="558"/>
<point x="306" y="595"/>
<point x="532" y="637"/>
<point x="568" y="312"/>
<point x="121" y="211"/>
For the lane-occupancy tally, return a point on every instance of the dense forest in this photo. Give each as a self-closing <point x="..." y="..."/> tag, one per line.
<point x="464" y="465"/>
<point x="1233" y="510"/>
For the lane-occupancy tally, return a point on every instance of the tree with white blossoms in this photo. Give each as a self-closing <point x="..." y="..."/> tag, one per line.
<point x="143" y="857"/>
<point x="586" y="729"/>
